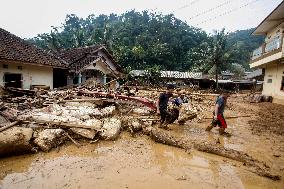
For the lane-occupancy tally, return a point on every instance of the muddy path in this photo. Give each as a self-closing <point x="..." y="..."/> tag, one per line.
<point x="126" y="163"/>
<point x="138" y="162"/>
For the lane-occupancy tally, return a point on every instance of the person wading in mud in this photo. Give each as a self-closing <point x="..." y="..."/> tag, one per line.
<point x="218" y="114"/>
<point x="162" y="105"/>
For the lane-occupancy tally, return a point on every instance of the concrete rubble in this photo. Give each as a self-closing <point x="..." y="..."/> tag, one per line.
<point x="47" y="119"/>
<point x="49" y="138"/>
<point x="15" y="140"/>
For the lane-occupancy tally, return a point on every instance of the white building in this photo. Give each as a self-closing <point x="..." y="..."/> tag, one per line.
<point x="90" y="62"/>
<point x="270" y="55"/>
<point x="23" y="65"/>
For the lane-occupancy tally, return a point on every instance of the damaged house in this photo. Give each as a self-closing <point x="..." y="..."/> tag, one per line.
<point x="23" y="65"/>
<point x="90" y="62"/>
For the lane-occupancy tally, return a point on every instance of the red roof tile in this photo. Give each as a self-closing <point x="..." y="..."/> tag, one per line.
<point x="16" y="49"/>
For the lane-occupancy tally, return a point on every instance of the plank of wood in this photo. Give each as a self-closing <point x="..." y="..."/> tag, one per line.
<point x="74" y="141"/>
<point x="9" y="125"/>
<point x="83" y="100"/>
<point x="60" y="124"/>
<point x="231" y="117"/>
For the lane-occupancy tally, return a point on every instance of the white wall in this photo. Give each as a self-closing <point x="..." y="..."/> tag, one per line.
<point x="276" y="31"/>
<point x="32" y="75"/>
<point x="274" y="72"/>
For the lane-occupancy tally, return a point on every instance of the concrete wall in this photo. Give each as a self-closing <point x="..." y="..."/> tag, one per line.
<point x="276" y="31"/>
<point x="274" y="72"/>
<point x="31" y="75"/>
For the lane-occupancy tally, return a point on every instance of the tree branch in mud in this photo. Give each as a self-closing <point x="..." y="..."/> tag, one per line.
<point x="255" y="166"/>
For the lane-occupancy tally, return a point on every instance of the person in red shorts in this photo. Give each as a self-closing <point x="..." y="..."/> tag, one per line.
<point x="218" y="114"/>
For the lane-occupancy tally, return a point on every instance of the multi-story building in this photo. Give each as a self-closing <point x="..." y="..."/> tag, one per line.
<point x="270" y="55"/>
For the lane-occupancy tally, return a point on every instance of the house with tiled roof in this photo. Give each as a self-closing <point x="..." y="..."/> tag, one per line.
<point x="23" y="65"/>
<point x="90" y="62"/>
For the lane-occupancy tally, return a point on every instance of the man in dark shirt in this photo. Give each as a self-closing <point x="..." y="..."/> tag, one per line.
<point x="218" y="114"/>
<point x="163" y="104"/>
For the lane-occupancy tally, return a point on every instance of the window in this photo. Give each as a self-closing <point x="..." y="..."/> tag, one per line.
<point x="269" y="80"/>
<point x="5" y="66"/>
<point x="282" y="84"/>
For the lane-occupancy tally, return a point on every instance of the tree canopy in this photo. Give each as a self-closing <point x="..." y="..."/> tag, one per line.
<point x="142" y="40"/>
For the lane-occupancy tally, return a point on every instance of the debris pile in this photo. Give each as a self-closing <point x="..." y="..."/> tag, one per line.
<point x="75" y="114"/>
<point x="47" y="119"/>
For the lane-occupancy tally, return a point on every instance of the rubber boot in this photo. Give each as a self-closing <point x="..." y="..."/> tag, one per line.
<point x="209" y="128"/>
<point x="221" y="131"/>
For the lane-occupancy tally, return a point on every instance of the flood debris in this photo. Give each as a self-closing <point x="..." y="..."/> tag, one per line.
<point x="15" y="141"/>
<point x="110" y="129"/>
<point x="260" y="168"/>
<point x="49" y="138"/>
<point x="46" y="119"/>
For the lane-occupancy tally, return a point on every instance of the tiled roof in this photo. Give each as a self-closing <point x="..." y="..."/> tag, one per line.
<point x="85" y="54"/>
<point x="254" y="74"/>
<point x="73" y="54"/>
<point x="16" y="49"/>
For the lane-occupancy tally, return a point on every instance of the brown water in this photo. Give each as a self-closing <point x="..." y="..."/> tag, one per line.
<point x="126" y="163"/>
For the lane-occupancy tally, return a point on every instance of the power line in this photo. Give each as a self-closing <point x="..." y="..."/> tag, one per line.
<point x="227" y="12"/>
<point x="187" y="5"/>
<point x="210" y="10"/>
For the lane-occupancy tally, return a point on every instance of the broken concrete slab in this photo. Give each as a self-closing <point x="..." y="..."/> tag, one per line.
<point x="16" y="140"/>
<point x="89" y="133"/>
<point x="49" y="138"/>
<point x="141" y="111"/>
<point x="107" y="111"/>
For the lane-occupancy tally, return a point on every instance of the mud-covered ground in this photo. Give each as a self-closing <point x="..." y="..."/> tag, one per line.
<point x="138" y="162"/>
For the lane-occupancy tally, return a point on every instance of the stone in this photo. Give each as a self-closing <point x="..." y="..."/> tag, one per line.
<point x="110" y="129"/>
<point x="49" y="138"/>
<point x="87" y="133"/>
<point x="15" y="140"/>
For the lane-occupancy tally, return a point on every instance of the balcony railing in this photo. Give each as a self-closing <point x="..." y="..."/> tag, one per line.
<point x="269" y="47"/>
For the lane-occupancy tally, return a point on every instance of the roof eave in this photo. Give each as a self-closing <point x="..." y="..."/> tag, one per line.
<point x="264" y="20"/>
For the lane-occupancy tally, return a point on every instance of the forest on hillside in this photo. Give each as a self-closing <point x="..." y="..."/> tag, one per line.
<point x="147" y="40"/>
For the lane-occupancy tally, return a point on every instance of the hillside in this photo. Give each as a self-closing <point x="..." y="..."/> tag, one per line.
<point x="141" y="40"/>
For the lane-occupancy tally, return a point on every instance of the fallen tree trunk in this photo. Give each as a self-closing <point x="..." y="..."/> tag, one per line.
<point x="255" y="166"/>
<point x="259" y="168"/>
<point x="162" y="137"/>
<point x="15" y="141"/>
<point x="9" y="125"/>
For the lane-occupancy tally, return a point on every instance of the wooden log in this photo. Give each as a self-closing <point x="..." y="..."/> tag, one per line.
<point x="259" y="168"/>
<point x="231" y="117"/>
<point x="60" y="124"/>
<point x="9" y="125"/>
<point x="83" y="100"/>
<point x="15" y="141"/>
<point x="254" y="165"/>
<point x="72" y="140"/>
<point x="162" y="137"/>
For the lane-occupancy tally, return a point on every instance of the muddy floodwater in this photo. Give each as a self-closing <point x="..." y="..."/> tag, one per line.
<point x="127" y="163"/>
<point x="138" y="162"/>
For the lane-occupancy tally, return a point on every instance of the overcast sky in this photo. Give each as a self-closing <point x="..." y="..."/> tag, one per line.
<point x="27" y="18"/>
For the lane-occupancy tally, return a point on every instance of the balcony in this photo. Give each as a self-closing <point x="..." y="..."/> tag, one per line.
<point x="267" y="52"/>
